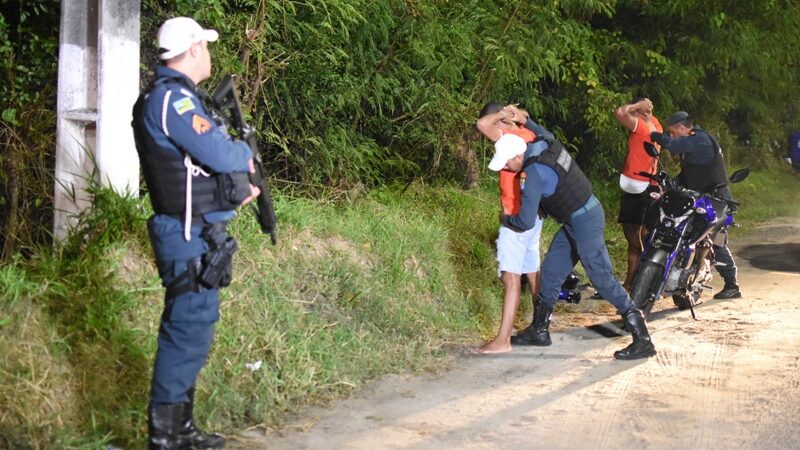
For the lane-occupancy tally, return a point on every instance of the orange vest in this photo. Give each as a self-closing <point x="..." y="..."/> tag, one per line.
<point x="638" y="160"/>
<point x="511" y="182"/>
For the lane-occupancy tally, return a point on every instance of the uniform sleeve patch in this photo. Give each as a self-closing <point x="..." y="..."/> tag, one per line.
<point x="200" y="124"/>
<point x="183" y="105"/>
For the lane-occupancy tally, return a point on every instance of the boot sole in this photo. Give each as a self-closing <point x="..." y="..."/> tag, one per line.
<point x="636" y="356"/>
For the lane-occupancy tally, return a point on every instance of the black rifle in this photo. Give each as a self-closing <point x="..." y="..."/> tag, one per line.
<point x="227" y="103"/>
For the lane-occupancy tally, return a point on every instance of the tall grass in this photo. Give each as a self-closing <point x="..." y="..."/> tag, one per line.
<point x="352" y="291"/>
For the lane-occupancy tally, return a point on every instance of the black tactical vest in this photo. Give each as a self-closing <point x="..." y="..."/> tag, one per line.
<point x="573" y="189"/>
<point x="704" y="177"/>
<point x="165" y="174"/>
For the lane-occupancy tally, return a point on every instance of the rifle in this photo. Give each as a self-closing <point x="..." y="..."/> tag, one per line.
<point x="227" y="103"/>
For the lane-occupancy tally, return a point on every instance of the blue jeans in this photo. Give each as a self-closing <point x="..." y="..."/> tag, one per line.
<point x="582" y="240"/>
<point x="187" y="323"/>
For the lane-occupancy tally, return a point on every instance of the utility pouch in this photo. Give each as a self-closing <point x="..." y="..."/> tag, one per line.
<point x="217" y="264"/>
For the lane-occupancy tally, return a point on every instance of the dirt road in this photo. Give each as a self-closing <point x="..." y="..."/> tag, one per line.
<point x="729" y="380"/>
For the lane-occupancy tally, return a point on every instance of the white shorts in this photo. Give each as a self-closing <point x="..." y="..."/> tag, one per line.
<point x="518" y="252"/>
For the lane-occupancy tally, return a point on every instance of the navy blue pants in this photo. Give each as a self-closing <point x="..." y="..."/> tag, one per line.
<point x="582" y="240"/>
<point x="722" y="254"/>
<point x="188" y="320"/>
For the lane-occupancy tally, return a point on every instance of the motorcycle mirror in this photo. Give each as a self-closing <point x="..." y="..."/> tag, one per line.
<point x="651" y="149"/>
<point x="740" y="175"/>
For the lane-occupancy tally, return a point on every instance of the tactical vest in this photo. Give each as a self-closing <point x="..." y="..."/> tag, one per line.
<point x="573" y="189"/>
<point x="704" y="177"/>
<point x="165" y="174"/>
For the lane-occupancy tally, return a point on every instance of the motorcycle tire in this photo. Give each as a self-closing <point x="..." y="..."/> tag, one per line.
<point x="647" y="277"/>
<point x="683" y="302"/>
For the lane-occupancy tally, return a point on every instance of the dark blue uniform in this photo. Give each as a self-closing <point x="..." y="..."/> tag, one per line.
<point x="566" y="194"/>
<point x="174" y="125"/>
<point x="702" y="168"/>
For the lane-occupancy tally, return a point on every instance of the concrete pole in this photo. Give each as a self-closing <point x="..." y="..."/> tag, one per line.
<point x="98" y="82"/>
<point x="76" y="110"/>
<point x="118" y="89"/>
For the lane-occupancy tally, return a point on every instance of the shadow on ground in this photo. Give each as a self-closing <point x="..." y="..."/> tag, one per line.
<point x="776" y="257"/>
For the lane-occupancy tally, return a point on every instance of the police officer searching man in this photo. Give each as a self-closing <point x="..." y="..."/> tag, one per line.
<point x="702" y="168"/>
<point x="555" y="182"/>
<point x="196" y="176"/>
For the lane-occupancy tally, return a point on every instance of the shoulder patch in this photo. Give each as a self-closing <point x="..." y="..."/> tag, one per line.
<point x="183" y="105"/>
<point x="200" y="124"/>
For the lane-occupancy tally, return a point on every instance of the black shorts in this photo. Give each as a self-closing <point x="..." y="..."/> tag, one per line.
<point x="633" y="207"/>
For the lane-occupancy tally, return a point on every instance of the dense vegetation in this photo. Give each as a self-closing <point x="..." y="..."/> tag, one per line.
<point x="360" y="91"/>
<point x="365" y="111"/>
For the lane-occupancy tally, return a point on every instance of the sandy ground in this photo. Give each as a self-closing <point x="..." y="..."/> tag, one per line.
<point x="728" y="380"/>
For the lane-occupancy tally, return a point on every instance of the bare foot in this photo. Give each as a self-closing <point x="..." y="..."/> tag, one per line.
<point x="494" y="347"/>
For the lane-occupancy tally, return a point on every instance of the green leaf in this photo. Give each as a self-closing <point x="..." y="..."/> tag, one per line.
<point x="10" y="116"/>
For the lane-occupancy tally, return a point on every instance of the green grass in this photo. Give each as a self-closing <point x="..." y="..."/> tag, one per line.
<point x="390" y="282"/>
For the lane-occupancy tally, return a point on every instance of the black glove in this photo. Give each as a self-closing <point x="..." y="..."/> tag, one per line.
<point x="655" y="136"/>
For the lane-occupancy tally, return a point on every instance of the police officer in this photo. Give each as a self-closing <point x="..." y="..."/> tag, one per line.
<point x="702" y="169"/>
<point x="555" y="182"/>
<point x="196" y="176"/>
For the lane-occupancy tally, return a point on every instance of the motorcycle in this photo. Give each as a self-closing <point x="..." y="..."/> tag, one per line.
<point x="678" y="253"/>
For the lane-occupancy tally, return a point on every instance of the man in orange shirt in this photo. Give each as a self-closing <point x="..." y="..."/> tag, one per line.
<point x="517" y="252"/>
<point x="638" y="119"/>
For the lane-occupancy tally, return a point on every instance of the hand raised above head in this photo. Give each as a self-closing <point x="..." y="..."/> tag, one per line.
<point x="516" y="114"/>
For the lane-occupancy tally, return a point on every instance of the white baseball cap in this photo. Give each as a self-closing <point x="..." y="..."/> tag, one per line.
<point x="506" y="148"/>
<point x="176" y="35"/>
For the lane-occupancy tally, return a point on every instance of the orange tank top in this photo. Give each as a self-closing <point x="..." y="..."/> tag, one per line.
<point x="511" y="182"/>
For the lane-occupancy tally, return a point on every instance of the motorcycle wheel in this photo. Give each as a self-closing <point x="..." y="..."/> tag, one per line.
<point x="644" y="282"/>
<point x="685" y="302"/>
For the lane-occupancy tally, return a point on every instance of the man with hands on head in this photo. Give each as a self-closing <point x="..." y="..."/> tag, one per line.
<point x="517" y="252"/>
<point x="555" y="182"/>
<point x="638" y="119"/>
<point x="702" y="169"/>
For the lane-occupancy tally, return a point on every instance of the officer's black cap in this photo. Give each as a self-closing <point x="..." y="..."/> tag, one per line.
<point x="678" y="117"/>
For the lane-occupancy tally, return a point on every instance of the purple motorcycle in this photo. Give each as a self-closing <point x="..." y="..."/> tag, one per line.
<point x="678" y="253"/>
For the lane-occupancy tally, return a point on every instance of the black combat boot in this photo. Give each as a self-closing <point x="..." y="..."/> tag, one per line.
<point x="538" y="332"/>
<point x="192" y="434"/>
<point x="729" y="291"/>
<point x="641" y="347"/>
<point x="164" y="424"/>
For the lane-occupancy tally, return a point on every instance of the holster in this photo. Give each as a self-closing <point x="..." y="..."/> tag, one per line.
<point x="217" y="264"/>
<point x="212" y="270"/>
